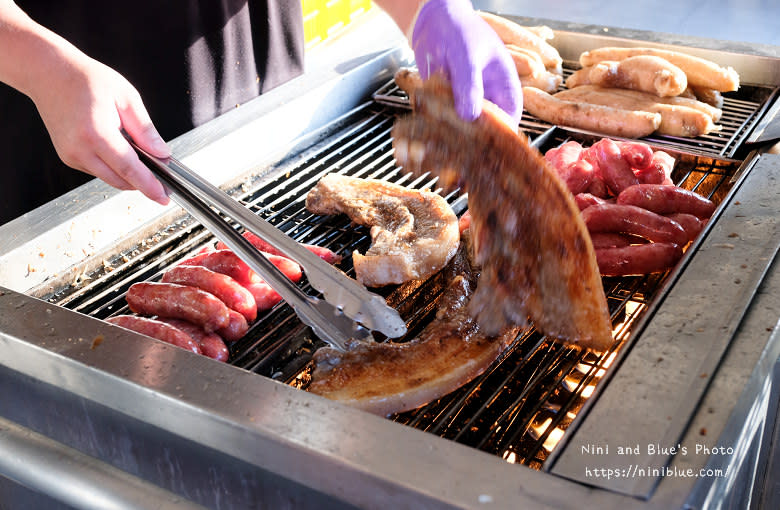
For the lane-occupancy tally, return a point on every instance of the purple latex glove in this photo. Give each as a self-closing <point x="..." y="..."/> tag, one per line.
<point x="450" y="36"/>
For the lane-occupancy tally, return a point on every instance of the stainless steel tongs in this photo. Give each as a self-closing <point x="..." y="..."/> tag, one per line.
<point x="349" y="310"/>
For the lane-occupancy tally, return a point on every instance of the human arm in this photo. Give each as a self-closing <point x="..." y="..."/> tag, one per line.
<point x="449" y="36"/>
<point x="84" y="104"/>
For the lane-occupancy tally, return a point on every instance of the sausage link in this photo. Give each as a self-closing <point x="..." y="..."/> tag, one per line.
<point x="221" y="285"/>
<point x="615" y="170"/>
<point x="178" y="301"/>
<point x="637" y="259"/>
<point x="659" y="171"/>
<point x="630" y="219"/>
<point x="227" y="262"/>
<point x="265" y="296"/>
<point x="235" y="329"/>
<point x="602" y="240"/>
<point x="690" y="223"/>
<point x="637" y="154"/>
<point x="585" y="200"/>
<point x="211" y="344"/>
<point x="156" y="329"/>
<point x="325" y="254"/>
<point x="663" y="199"/>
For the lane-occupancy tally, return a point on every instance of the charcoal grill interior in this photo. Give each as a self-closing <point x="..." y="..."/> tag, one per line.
<point x="519" y="409"/>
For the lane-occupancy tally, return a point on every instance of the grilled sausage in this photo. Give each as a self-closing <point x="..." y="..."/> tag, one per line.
<point x="647" y="73"/>
<point x="700" y="72"/>
<point x="221" y="285"/>
<point x="210" y="344"/>
<point x="602" y="119"/>
<point x="630" y="219"/>
<point x="156" y="329"/>
<point x="689" y="120"/>
<point x="178" y="301"/>
<point x="637" y="259"/>
<point x="663" y="199"/>
<point x="511" y="33"/>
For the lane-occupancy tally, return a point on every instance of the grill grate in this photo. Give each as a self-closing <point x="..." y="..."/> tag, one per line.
<point x="518" y="409"/>
<point x="741" y="111"/>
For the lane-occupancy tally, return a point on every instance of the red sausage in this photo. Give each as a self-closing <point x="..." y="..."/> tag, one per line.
<point x="690" y="223"/>
<point x="615" y="170"/>
<point x="178" y="301"/>
<point x="579" y="176"/>
<point x="156" y="329"/>
<point x="221" y="285"/>
<point x="585" y="200"/>
<point x="227" y="262"/>
<point x="638" y="259"/>
<point x="659" y="171"/>
<point x="638" y="155"/>
<point x="235" y="329"/>
<point x="210" y="344"/>
<point x="325" y="254"/>
<point x="663" y="199"/>
<point x="265" y="297"/>
<point x="610" y="240"/>
<point x="630" y="219"/>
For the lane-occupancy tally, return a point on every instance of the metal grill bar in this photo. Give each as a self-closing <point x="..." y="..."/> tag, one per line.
<point x="518" y="409"/>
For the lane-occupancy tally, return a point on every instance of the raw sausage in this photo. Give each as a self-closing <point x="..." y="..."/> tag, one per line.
<point x="615" y="169"/>
<point x="637" y="259"/>
<point x="227" y="262"/>
<point x="210" y="344"/>
<point x="235" y="328"/>
<point x="630" y="219"/>
<point x="221" y="285"/>
<point x="690" y="223"/>
<point x="156" y="329"/>
<point x="178" y="301"/>
<point x="324" y="253"/>
<point x="663" y="199"/>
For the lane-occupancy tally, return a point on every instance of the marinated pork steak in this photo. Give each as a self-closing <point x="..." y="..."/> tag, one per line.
<point x="387" y="378"/>
<point x="537" y="258"/>
<point x="414" y="233"/>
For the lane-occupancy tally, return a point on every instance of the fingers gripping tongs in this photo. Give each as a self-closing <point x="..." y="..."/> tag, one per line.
<point x="346" y="303"/>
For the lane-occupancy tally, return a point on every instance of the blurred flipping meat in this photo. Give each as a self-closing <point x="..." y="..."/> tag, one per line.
<point x="386" y="378"/>
<point x="537" y="258"/>
<point x="414" y="233"/>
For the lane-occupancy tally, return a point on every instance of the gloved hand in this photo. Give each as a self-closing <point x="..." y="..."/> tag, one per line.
<point x="450" y="36"/>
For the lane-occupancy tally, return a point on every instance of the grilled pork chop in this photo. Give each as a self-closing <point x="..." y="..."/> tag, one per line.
<point x="414" y="233"/>
<point x="536" y="255"/>
<point x="387" y="378"/>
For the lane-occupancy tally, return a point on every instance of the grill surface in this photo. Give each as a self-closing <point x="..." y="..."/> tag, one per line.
<point x="518" y="409"/>
<point x="741" y="111"/>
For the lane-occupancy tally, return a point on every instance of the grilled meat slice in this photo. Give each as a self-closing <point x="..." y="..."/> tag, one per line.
<point x="387" y="378"/>
<point x="536" y="255"/>
<point x="414" y="233"/>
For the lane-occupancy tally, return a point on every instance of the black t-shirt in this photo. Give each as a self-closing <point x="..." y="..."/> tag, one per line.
<point x="191" y="60"/>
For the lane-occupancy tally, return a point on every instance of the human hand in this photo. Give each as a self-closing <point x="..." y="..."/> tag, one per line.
<point x="450" y="37"/>
<point x="85" y="112"/>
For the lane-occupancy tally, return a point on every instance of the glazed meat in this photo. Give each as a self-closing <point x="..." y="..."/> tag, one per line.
<point x="414" y="233"/>
<point x="387" y="378"/>
<point x="536" y="255"/>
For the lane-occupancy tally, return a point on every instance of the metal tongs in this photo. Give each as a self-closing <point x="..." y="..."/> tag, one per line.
<point x="348" y="310"/>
